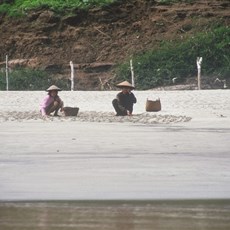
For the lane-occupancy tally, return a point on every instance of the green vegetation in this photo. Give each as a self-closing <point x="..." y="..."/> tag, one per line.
<point x="28" y="79"/>
<point x="178" y="59"/>
<point x="19" y="7"/>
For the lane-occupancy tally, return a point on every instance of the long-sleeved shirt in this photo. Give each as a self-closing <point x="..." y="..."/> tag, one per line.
<point x="126" y="100"/>
<point x="46" y="102"/>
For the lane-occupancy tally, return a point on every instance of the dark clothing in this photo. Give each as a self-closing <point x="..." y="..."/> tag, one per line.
<point x="124" y="103"/>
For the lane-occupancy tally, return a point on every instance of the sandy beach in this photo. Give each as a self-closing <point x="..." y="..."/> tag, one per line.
<point x="177" y="106"/>
<point x="181" y="152"/>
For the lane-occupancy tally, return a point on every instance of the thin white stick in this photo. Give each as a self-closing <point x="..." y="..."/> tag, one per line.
<point x="7" y="74"/>
<point x="72" y="75"/>
<point x="132" y="72"/>
<point x="198" y="62"/>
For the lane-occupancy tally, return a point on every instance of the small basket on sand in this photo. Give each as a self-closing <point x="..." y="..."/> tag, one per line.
<point x="71" y="111"/>
<point x="153" y="106"/>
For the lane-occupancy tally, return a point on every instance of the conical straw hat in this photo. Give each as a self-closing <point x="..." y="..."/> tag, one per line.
<point x="53" y="87"/>
<point x="125" y="84"/>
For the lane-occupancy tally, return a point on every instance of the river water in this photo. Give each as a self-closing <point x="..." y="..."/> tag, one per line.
<point x="119" y="215"/>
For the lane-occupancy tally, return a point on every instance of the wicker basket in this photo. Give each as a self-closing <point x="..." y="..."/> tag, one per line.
<point x="71" y="111"/>
<point x="153" y="106"/>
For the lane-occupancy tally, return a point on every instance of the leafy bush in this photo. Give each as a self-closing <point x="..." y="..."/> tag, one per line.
<point x="28" y="79"/>
<point x="19" y="7"/>
<point x="178" y="59"/>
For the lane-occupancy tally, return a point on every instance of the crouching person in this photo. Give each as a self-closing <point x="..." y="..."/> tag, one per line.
<point x="52" y="102"/>
<point x="123" y="103"/>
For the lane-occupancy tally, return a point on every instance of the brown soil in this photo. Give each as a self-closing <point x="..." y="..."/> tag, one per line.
<point x="99" y="39"/>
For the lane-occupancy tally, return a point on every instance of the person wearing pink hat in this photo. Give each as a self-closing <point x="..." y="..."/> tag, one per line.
<point x="52" y="102"/>
<point x="123" y="103"/>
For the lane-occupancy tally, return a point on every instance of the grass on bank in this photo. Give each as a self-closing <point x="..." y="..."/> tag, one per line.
<point x="30" y="79"/>
<point x="19" y="7"/>
<point x="178" y="59"/>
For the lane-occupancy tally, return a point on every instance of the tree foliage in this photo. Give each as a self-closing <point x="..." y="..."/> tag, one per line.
<point x="178" y="59"/>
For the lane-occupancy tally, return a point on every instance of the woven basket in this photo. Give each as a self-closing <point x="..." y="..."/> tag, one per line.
<point x="70" y="111"/>
<point x="153" y="106"/>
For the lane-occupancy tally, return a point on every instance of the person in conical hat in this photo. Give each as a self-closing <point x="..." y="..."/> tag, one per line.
<point x="52" y="102"/>
<point x="124" y="101"/>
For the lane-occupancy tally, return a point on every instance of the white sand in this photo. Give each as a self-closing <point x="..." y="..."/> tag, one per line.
<point x="177" y="106"/>
<point x="181" y="152"/>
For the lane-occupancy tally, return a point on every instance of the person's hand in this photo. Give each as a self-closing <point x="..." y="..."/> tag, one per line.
<point x="129" y="114"/>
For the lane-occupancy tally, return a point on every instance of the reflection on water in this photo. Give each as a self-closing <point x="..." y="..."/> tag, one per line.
<point x="120" y="215"/>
